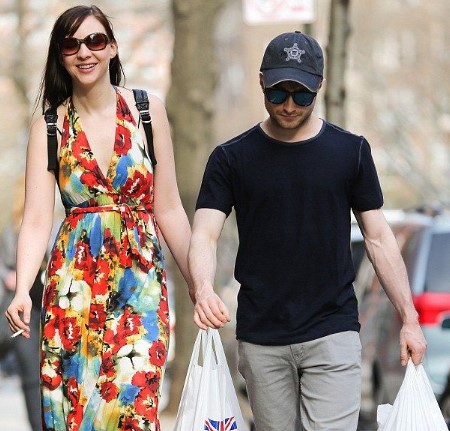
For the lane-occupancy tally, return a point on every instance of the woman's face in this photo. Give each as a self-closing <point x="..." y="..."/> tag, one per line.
<point x="88" y="67"/>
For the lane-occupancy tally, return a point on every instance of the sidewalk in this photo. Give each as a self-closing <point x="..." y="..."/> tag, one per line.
<point x="13" y="416"/>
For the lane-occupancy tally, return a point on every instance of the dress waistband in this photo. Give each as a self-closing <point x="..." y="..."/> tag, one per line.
<point x="131" y="232"/>
<point x="121" y="208"/>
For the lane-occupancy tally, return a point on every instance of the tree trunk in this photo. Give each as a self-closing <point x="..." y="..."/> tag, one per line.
<point x="190" y="107"/>
<point x="336" y="62"/>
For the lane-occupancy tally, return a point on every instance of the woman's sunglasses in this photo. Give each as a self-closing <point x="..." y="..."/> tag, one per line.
<point x="300" y="98"/>
<point x="93" y="41"/>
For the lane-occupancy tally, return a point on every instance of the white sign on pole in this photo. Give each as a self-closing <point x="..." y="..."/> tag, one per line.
<point x="276" y="11"/>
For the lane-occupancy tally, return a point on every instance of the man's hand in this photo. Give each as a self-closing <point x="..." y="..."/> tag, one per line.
<point x="412" y="343"/>
<point x="210" y="311"/>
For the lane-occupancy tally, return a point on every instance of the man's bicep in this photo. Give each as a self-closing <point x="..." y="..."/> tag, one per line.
<point x="372" y="223"/>
<point x="209" y="222"/>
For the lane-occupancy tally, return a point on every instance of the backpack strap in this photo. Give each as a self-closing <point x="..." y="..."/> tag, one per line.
<point x="143" y="105"/>
<point x="51" y="118"/>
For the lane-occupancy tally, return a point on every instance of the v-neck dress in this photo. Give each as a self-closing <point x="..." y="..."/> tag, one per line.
<point x="105" y="320"/>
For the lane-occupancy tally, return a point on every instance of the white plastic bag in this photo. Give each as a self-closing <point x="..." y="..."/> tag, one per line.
<point x="209" y="400"/>
<point x="415" y="407"/>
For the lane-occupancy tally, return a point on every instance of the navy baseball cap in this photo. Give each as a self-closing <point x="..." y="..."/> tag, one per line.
<point x="293" y="57"/>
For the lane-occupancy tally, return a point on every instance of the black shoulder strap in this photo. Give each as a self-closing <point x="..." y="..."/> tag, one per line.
<point x="143" y="105"/>
<point x="51" y="118"/>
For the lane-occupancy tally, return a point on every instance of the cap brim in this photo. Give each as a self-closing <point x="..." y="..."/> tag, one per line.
<point x="272" y="77"/>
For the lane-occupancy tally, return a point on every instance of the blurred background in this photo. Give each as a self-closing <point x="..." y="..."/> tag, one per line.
<point x="387" y="67"/>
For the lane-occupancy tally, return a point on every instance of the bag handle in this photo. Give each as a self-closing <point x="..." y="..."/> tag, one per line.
<point x="214" y="358"/>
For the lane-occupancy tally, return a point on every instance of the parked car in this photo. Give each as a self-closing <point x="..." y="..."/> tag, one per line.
<point x="425" y="245"/>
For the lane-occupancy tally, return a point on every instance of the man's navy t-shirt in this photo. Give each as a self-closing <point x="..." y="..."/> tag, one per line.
<point x="292" y="204"/>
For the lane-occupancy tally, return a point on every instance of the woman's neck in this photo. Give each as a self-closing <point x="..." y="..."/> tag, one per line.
<point x="93" y="99"/>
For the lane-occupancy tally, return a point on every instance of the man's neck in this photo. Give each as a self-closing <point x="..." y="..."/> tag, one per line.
<point x="309" y="129"/>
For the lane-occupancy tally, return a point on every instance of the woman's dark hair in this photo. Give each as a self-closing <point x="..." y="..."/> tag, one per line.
<point x="56" y="84"/>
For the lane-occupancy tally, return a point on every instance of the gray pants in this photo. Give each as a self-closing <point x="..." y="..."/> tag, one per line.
<point x="308" y="386"/>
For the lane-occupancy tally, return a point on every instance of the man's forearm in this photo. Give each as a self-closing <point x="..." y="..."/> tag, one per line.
<point x="391" y="271"/>
<point x="202" y="262"/>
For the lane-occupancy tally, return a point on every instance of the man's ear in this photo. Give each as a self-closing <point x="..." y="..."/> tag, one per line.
<point x="322" y="83"/>
<point x="261" y="82"/>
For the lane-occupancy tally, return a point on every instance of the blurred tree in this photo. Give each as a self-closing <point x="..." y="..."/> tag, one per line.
<point x="190" y="106"/>
<point x="336" y="61"/>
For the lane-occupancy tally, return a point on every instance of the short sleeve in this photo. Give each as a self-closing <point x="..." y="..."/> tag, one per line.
<point x="216" y="190"/>
<point x="366" y="191"/>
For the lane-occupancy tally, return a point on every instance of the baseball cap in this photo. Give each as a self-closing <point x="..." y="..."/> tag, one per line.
<point x="293" y="57"/>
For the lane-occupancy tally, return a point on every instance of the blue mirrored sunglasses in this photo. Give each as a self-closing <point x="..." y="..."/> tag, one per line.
<point x="301" y="98"/>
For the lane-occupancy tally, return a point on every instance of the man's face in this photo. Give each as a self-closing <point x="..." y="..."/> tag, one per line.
<point x="288" y="114"/>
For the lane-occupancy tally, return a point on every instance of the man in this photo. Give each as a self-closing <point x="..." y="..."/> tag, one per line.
<point x="293" y="181"/>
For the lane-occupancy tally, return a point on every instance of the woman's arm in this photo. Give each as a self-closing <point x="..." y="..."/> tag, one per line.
<point x="36" y="225"/>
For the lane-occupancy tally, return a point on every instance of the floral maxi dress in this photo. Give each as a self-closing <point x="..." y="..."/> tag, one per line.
<point x="105" y="314"/>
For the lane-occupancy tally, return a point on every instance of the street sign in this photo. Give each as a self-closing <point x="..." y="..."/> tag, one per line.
<point x="276" y="11"/>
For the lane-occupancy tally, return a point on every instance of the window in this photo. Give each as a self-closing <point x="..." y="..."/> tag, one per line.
<point x="437" y="278"/>
<point x="411" y="251"/>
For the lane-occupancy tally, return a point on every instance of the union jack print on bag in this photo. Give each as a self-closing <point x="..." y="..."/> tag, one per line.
<point x="226" y="425"/>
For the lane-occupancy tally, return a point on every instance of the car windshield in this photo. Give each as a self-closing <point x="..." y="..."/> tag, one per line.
<point x="438" y="267"/>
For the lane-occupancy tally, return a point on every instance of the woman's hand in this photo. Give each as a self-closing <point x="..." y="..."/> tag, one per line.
<point x="20" y="306"/>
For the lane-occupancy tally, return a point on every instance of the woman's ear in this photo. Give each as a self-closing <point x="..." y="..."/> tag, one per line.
<point x="114" y="49"/>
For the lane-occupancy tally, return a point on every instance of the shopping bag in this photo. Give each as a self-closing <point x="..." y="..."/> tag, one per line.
<point x="208" y="401"/>
<point x="415" y="408"/>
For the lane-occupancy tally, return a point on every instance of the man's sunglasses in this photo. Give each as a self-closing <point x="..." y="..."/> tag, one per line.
<point x="301" y="98"/>
<point x="93" y="41"/>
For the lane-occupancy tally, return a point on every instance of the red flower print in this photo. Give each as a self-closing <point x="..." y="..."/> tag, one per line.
<point x="51" y="382"/>
<point x="74" y="418"/>
<point x="99" y="284"/>
<point x="72" y="391"/>
<point x="163" y="312"/>
<point x="129" y="323"/>
<point x="115" y="340"/>
<point x="97" y="316"/>
<point x="158" y="353"/>
<point x="51" y="377"/>
<point x="83" y="152"/>
<point x="74" y="219"/>
<point x="50" y="292"/>
<point x="147" y="404"/>
<point x="90" y="178"/>
<point x="69" y="331"/>
<point x="136" y="185"/>
<point x="109" y="391"/>
<point x="149" y="379"/>
<point x="49" y="329"/>
<point x="123" y="140"/>
<point x="107" y="367"/>
<point x="109" y="243"/>
<point x="83" y="257"/>
<point x="129" y="424"/>
<point x="56" y="261"/>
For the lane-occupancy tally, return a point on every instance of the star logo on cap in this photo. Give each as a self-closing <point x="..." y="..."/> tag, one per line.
<point x="294" y="53"/>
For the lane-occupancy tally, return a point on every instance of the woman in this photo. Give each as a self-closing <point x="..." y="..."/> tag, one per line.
<point x="105" y="322"/>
